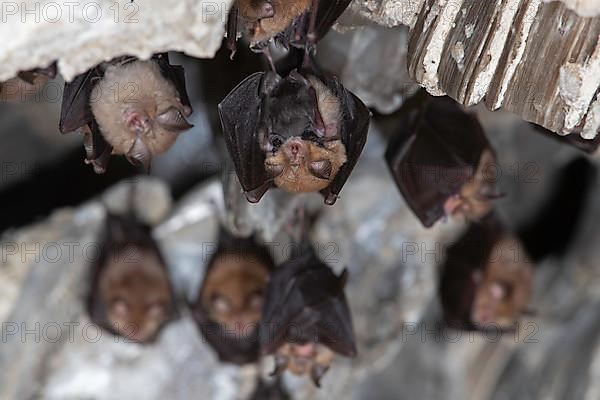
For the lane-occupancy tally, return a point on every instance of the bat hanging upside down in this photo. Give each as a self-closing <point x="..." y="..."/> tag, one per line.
<point x="26" y="83"/>
<point x="288" y="22"/>
<point x="131" y="293"/>
<point x="230" y="303"/>
<point x="487" y="279"/>
<point x="442" y="161"/>
<point x="127" y="107"/>
<point x="306" y="317"/>
<point x="301" y="133"/>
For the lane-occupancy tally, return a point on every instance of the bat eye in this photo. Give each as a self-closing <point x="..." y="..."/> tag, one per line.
<point x="156" y="310"/>
<point x="320" y="169"/>
<point x="119" y="306"/>
<point x="256" y="301"/>
<point x="220" y="304"/>
<point x="276" y="141"/>
<point x="274" y="170"/>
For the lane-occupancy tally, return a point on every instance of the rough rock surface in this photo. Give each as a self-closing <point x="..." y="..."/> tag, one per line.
<point x="82" y="34"/>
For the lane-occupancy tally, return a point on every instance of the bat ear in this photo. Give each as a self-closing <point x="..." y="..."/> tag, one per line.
<point x="27" y="76"/>
<point x="173" y="120"/>
<point x="280" y="365"/>
<point x="139" y="154"/>
<point x="268" y="83"/>
<point x="316" y="374"/>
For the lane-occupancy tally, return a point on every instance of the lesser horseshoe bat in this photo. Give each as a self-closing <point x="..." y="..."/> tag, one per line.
<point x="442" y="161"/>
<point x="306" y="316"/>
<point x="26" y="82"/>
<point x="229" y="306"/>
<point x="288" y="22"/>
<point x="131" y="295"/>
<point x="487" y="278"/>
<point x="128" y="107"/>
<point x="302" y="132"/>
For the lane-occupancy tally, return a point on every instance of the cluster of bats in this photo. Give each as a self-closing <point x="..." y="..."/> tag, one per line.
<point x="297" y="128"/>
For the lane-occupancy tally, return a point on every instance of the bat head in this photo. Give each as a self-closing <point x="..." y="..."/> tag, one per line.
<point x="302" y="142"/>
<point x="139" y="111"/>
<point x="264" y="19"/>
<point x="131" y="294"/>
<point x="229" y="305"/>
<point x="503" y="288"/>
<point x="475" y="197"/>
<point x="135" y="290"/>
<point x="308" y="358"/>
<point x="233" y="292"/>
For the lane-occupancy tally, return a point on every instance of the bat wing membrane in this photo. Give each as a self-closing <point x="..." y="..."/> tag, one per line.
<point x="240" y="115"/>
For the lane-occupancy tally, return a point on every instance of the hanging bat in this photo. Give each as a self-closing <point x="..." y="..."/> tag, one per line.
<point x="26" y="83"/>
<point x="442" y="161"/>
<point x="306" y="317"/>
<point x="302" y="133"/>
<point x="128" y="107"/>
<point x="229" y="305"/>
<point x="131" y="295"/>
<point x="287" y="22"/>
<point x="487" y="279"/>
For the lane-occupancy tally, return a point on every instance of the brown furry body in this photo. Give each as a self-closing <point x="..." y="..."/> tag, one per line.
<point x="261" y="26"/>
<point x="233" y="292"/>
<point x="135" y="290"/>
<point x="504" y="289"/>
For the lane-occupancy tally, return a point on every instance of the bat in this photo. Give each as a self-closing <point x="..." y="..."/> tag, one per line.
<point x="306" y="317"/>
<point x="487" y="279"/>
<point x="26" y="82"/>
<point x="302" y="132"/>
<point x="286" y="22"/>
<point x="442" y="161"/>
<point x="229" y="306"/>
<point x="127" y="107"/>
<point x="131" y="295"/>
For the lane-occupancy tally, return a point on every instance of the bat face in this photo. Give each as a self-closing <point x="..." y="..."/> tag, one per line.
<point x="503" y="289"/>
<point x="230" y="303"/>
<point x="264" y="19"/>
<point x="135" y="290"/>
<point x="313" y="359"/>
<point x="309" y="160"/>
<point x="139" y="112"/>
<point x="475" y="197"/>
<point x="487" y="278"/>
<point x="233" y="292"/>
<point x="131" y="294"/>
<point x="301" y="133"/>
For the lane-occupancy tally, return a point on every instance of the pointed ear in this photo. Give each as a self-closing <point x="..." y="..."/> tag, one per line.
<point x="139" y="154"/>
<point x="281" y="363"/>
<point x="173" y="120"/>
<point x="316" y="374"/>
